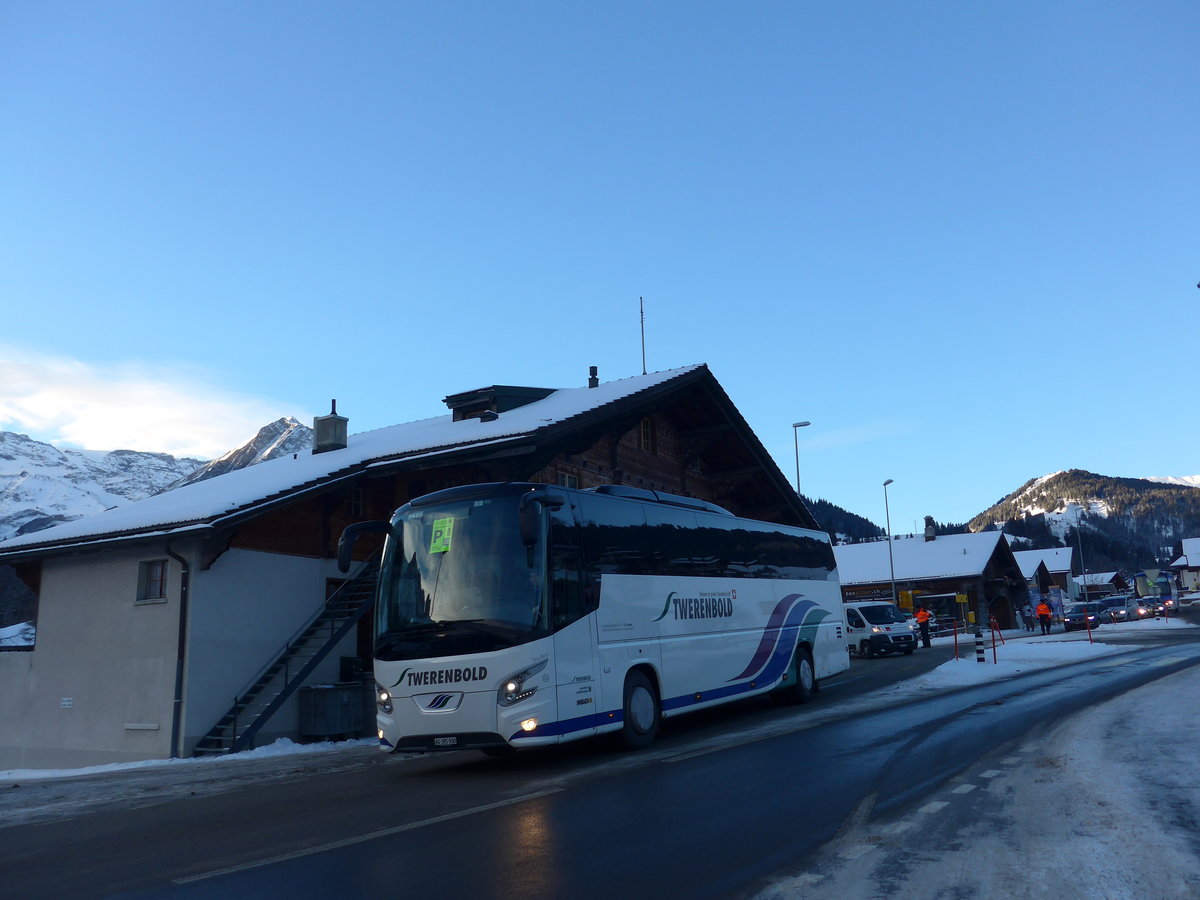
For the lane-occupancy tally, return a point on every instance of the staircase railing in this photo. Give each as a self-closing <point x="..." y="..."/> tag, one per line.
<point x="225" y="736"/>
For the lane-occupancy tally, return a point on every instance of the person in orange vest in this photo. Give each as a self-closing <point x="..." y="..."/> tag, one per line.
<point x="1044" y="614"/>
<point x="922" y="618"/>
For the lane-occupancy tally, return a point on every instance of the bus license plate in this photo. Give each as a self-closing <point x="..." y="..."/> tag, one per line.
<point x="445" y="742"/>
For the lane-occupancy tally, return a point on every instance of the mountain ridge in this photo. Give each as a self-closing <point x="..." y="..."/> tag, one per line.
<point x="1123" y="523"/>
<point x="284" y="436"/>
<point x="42" y="485"/>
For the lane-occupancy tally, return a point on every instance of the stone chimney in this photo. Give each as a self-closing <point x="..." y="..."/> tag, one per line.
<point x="593" y="378"/>
<point x="329" y="432"/>
<point x="930" y="529"/>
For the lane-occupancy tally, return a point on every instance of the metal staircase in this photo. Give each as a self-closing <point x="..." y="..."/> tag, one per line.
<point x="292" y="664"/>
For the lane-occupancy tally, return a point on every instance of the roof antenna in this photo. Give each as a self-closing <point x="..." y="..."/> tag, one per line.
<point x="642" y="307"/>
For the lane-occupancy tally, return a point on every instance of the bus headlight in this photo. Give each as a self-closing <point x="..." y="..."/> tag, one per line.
<point x="516" y="687"/>
<point x="383" y="698"/>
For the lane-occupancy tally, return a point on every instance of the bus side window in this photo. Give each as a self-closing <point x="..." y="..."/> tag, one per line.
<point x="673" y="543"/>
<point x="615" y="539"/>
<point x="568" y="602"/>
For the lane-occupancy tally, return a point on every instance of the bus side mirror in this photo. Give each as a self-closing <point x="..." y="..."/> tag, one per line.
<point x="350" y="535"/>
<point x="530" y="513"/>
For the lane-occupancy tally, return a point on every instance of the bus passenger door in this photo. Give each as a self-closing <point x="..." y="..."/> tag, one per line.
<point x="576" y="677"/>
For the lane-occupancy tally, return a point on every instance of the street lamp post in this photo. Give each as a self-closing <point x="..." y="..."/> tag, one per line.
<point x="796" y="426"/>
<point x="1082" y="565"/>
<point x="888" y="515"/>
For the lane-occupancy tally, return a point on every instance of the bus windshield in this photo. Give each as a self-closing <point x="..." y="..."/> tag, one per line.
<point x="456" y="579"/>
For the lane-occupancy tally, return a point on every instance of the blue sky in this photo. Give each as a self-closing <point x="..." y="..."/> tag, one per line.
<point x="959" y="238"/>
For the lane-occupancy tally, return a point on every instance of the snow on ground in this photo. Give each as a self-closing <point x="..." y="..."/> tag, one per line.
<point x="281" y="748"/>
<point x="1103" y="806"/>
<point x="1019" y="652"/>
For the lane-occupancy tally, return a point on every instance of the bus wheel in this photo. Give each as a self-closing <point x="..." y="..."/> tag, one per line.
<point x="806" y="678"/>
<point x="640" y="712"/>
<point x="803" y="685"/>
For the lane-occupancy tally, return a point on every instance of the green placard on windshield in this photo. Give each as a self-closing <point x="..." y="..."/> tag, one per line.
<point x="443" y="535"/>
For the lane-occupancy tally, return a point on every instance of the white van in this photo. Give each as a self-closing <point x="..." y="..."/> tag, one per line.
<point x="878" y="627"/>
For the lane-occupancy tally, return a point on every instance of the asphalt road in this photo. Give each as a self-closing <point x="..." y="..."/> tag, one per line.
<point x="723" y="804"/>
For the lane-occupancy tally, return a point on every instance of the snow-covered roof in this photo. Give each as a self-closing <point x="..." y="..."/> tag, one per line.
<point x="948" y="556"/>
<point x="1191" y="554"/>
<point x="1095" y="578"/>
<point x="199" y="505"/>
<point x="1057" y="559"/>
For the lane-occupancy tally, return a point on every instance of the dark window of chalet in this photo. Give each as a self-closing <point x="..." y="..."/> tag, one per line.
<point x="567" y="480"/>
<point x="152" y="580"/>
<point x="417" y="488"/>
<point x="354" y="504"/>
<point x="646" y="437"/>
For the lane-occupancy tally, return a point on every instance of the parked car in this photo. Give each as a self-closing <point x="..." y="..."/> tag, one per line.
<point x="1116" y="608"/>
<point x="1084" y="615"/>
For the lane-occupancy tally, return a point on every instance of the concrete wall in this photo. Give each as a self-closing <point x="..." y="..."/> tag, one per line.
<point x="98" y="687"/>
<point x="99" y="683"/>
<point x="242" y="610"/>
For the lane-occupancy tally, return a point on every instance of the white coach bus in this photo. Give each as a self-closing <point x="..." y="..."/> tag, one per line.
<point x="520" y="615"/>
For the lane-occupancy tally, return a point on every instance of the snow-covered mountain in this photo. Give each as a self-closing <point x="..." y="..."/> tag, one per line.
<point x="41" y="485"/>
<point x="1127" y="522"/>
<point x="1188" y="480"/>
<point x="281" y="438"/>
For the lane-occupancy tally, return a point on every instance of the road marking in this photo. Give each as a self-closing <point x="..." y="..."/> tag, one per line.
<point x="362" y="838"/>
<point x="990" y="773"/>
<point x="963" y="789"/>
<point x="1168" y="661"/>
<point x="934" y="806"/>
<point x="898" y="827"/>
<point x="1029" y="748"/>
<point x="1012" y="760"/>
